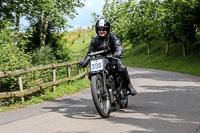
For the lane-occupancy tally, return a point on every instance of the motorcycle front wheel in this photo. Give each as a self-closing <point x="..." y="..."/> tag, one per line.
<point x="100" y="96"/>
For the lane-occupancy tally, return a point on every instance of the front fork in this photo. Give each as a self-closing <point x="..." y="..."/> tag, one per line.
<point x="108" y="93"/>
<point x="104" y="82"/>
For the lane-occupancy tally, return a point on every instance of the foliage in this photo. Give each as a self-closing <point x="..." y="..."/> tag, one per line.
<point x="113" y="11"/>
<point x="6" y="36"/>
<point x="56" y="10"/>
<point x="12" y="58"/>
<point x="6" y="15"/>
<point x="41" y="44"/>
<point x="95" y="17"/>
<point x="24" y="41"/>
<point x="43" y="56"/>
<point x="55" y="41"/>
<point x="40" y="12"/>
<point x="54" y="52"/>
<point x="81" y="45"/>
<point x="157" y="60"/>
<point x="147" y="20"/>
<point x="44" y="12"/>
<point x="61" y="51"/>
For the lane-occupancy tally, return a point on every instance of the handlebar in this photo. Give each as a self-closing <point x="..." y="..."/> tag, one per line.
<point x="111" y="56"/>
<point x="98" y="52"/>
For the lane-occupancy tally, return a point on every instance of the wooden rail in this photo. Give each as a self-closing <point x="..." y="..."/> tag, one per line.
<point x="37" y="68"/>
<point x="24" y="92"/>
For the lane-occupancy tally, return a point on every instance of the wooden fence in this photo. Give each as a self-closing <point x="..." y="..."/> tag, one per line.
<point x="24" y="92"/>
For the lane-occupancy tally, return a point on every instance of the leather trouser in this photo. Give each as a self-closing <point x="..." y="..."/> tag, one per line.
<point x="123" y="72"/>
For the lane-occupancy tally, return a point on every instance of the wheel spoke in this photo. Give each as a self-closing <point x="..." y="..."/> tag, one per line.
<point x="101" y="103"/>
<point x="100" y="99"/>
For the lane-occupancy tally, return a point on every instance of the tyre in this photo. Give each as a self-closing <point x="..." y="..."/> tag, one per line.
<point x="123" y="102"/>
<point x="101" y="101"/>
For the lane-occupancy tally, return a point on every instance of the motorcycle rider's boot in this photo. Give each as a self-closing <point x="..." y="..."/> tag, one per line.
<point x="127" y="82"/>
<point x="131" y="90"/>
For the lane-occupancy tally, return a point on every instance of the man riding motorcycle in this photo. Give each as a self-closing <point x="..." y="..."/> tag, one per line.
<point x="106" y="40"/>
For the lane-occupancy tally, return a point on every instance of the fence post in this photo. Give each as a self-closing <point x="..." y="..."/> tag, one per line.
<point x="86" y="73"/>
<point x="20" y="83"/>
<point x="69" y="73"/>
<point x="54" y="79"/>
<point x="79" y="71"/>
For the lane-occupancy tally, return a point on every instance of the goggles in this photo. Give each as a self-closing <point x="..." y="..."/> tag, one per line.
<point x="102" y="29"/>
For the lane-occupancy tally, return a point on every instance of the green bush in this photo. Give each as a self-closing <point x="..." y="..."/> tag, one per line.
<point x="12" y="58"/>
<point x="43" y="56"/>
<point x="6" y="36"/>
<point x="24" y="41"/>
<point x="57" y="43"/>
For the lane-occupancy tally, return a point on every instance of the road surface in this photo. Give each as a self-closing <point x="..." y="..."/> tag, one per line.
<point x="167" y="102"/>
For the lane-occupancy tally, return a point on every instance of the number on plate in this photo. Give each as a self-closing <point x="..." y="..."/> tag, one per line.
<point x="96" y="65"/>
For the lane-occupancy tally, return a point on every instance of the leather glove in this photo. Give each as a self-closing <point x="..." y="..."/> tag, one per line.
<point x="85" y="62"/>
<point x="82" y="64"/>
<point x="117" y="54"/>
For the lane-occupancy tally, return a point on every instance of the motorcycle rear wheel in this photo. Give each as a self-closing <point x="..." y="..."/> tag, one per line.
<point x="123" y="102"/>
<point x="100" y="98"/>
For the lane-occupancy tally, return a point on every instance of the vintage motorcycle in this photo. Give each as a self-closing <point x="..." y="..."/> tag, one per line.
<point x="107" y="86"/>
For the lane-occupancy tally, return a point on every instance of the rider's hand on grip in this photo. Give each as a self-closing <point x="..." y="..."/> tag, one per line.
<point x="82" y="64"/>
<point x="85" y="62"/>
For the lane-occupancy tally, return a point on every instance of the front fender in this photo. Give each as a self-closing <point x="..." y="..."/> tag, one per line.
<point x="94" y="73"/>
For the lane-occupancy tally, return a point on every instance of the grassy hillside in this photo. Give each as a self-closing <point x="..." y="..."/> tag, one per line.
<point x="156" y="60"/>
<point x="78" y="42"/>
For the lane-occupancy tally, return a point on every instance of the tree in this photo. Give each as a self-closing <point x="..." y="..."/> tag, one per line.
<point x="54" y="11"/>
<point x="166" y="23"/>
<point x="5" y="14"/>
<point x="95" y="17"/>
<point x="183" y="21"/>
<point x="148" y="17"/>
<point x="11" y="11"/>
<point x="131" y="15"/>
<point x="113" y="11"/>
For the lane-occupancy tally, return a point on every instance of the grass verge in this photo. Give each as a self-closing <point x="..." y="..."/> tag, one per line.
<point x="158" y="60"/>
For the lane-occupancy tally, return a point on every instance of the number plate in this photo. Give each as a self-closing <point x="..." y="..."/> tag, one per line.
<point x="96" y="65"/>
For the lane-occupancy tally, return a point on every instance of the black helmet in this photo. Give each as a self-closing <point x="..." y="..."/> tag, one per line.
<point x="103" y="23"/>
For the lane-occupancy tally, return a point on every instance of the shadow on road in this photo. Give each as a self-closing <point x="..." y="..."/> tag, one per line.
<point x="75" y="108"/>
<point x="162" y="108"/>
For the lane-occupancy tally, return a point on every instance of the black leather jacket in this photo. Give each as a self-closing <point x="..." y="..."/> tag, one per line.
<point x="109" y="42"/>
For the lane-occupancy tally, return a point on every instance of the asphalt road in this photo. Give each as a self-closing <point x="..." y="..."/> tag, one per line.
<point x="167" y="102"/>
